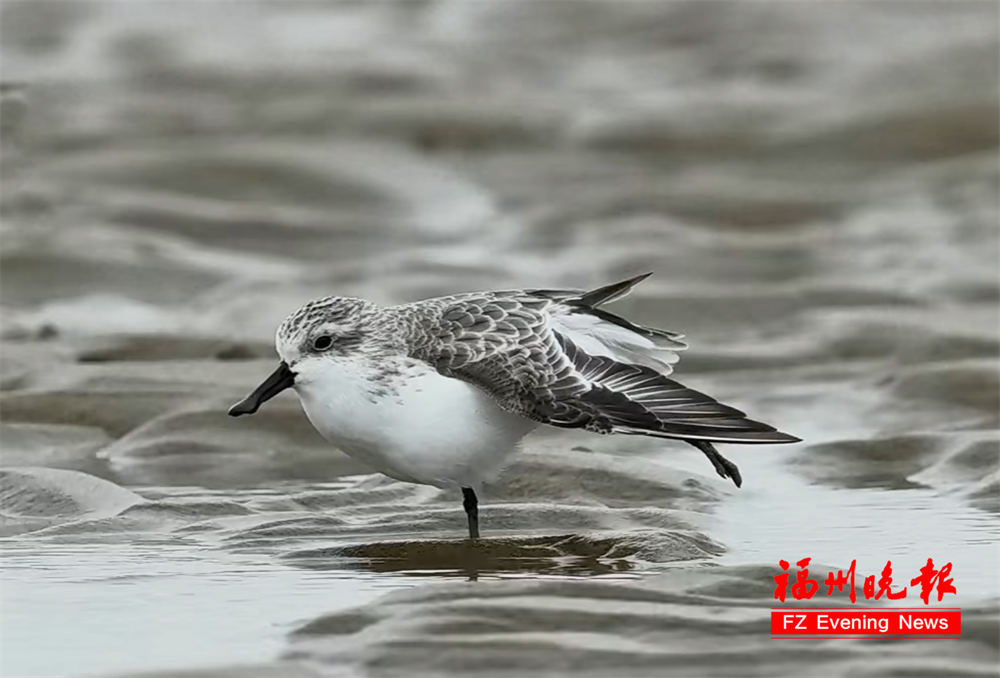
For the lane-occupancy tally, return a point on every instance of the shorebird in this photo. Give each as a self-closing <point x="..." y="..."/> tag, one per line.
<point x="440" y="392"/>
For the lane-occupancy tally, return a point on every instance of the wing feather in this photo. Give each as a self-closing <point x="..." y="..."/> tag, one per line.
<point x="634" y="399"/>
<point x="518" y="347"/>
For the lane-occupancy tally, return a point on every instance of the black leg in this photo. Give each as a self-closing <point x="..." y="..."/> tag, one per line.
<point x="471" y="504"/>
<point x="723" y="466"/>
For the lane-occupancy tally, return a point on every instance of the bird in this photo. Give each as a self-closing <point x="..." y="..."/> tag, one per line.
<point x="440" y="392"/>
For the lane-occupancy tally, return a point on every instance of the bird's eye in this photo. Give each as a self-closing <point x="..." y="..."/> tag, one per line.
<point x="323" y="342"/>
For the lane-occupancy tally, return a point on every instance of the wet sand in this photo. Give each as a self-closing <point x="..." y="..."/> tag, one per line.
<point x="815" y="187"/>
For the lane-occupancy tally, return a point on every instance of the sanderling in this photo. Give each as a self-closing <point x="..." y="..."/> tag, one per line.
<point x="441" y="391"/>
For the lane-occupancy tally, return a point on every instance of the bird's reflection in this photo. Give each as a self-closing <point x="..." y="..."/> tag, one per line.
<point x="572" y="555"/>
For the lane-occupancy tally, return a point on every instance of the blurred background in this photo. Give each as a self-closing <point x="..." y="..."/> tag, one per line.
<point x="815" y="186"/>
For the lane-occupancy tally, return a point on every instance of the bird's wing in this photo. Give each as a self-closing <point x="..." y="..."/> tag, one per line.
<point x="609" y="396"/>
<point x="518" y="347"/>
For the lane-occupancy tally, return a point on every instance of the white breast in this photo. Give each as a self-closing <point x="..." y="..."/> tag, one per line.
<point x="411" y="423"/>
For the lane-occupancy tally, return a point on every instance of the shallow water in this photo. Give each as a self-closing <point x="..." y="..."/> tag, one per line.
<point x="815" y="186"/>
<point x="115" y="606"/>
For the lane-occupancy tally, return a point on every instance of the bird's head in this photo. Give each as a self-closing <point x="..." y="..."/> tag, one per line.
<point x="309" y="341"/>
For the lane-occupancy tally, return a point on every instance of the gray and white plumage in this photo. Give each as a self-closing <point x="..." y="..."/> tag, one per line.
<point x="440" y="391"/>
<point x="518" y="347"/>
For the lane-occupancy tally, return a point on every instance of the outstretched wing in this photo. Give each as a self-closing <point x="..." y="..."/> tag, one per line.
<point x="635" y="399"/>
<point x="526" y="350"/>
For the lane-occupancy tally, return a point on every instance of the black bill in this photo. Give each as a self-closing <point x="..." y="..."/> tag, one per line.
<point x="280" y="379"/>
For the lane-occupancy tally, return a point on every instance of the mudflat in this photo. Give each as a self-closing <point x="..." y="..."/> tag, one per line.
<point x="814" y="185"/>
